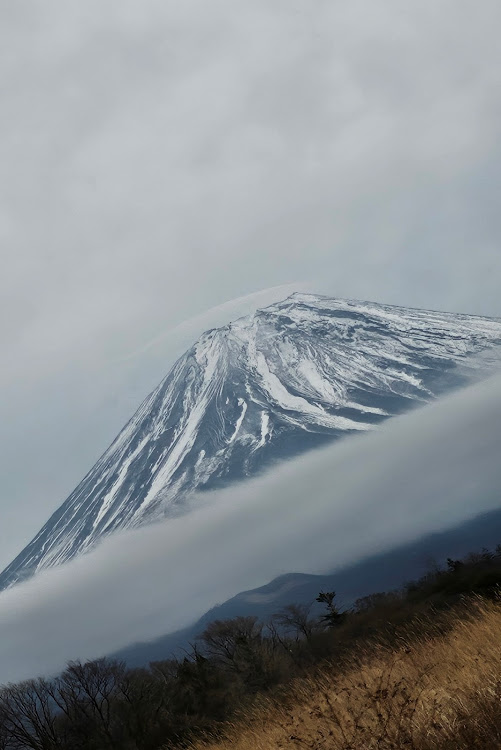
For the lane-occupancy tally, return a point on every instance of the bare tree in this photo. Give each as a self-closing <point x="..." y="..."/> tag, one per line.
<point x="232" y="641"/>
<point x="142" y="706"/>
<point x="86" y="694"/>
<point x="295" y="618"/>
<point x="29" y="716"/>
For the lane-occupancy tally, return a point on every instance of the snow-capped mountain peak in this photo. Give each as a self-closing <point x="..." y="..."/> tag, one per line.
<point x="260" y="389"/>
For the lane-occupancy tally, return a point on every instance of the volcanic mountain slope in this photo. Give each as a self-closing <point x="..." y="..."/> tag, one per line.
<point x="262" y="388"/>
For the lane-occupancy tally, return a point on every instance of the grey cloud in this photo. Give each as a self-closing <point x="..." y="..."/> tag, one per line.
<point x="422" y="472"/>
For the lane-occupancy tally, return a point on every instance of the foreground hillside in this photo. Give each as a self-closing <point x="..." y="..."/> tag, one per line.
<point x="431" y="691"/>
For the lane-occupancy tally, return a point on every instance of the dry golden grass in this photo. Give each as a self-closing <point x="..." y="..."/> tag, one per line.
<point x="441" y="691"/>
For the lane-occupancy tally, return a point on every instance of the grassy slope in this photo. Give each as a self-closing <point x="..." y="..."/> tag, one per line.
<point x="437" y="688"/>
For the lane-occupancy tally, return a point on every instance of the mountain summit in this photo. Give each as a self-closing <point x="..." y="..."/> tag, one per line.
<point x="265" y="387"/>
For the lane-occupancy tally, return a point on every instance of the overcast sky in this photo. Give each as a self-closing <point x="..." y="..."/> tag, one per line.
<point x="159" y="158"/>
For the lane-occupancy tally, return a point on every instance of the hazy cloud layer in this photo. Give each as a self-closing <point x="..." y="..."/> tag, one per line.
<point x="422" y="472"/>
<point x="160" y="157"/>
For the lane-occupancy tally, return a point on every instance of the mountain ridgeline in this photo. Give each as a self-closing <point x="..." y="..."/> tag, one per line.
<point x="264" y="388"/>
